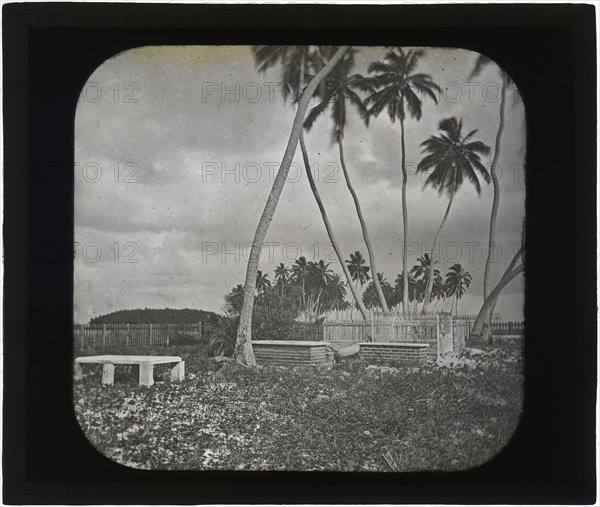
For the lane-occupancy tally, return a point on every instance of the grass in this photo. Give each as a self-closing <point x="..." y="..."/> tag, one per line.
<point x="349" y="417"/>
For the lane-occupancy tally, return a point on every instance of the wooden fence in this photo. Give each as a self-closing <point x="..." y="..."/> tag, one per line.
<point x="110" y="335"/>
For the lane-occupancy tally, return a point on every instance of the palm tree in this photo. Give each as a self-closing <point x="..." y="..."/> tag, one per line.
<point x="338" y="91"/>
<point x="480" y="64"/>
<point x="234" y="299"/>
<point x="296" y="61"/>
<point x="370" y="296"/>
<point x="319" y="274"/>
<point x="282" y="276"/>
<point x="300" y="273"/>
<point x="438" y="290"/>
<point x="452" y="158"/>
<point x="457" y="282"/>
<point x="262" y="282"/>
<point x="398" y="89"/>
<point x="358" y="271"/>
<point x="334" y="294"/>
<point x="412" y="289"/>
<point x="243" y="352"/>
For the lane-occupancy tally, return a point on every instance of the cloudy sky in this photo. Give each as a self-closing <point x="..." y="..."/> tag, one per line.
<point x="176" y="150"/>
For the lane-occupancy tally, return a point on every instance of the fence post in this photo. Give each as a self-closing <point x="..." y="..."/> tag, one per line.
<point x="103" y="335"/>
<point x="151" y="340"/>
<point x="127" y="335"/>
<point x="82" y="330"/>
<point x="200" y="331"/>
<point x="168" y="333"/>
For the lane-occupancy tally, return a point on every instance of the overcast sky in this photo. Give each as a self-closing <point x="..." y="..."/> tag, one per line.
<point x="176" y="150"/>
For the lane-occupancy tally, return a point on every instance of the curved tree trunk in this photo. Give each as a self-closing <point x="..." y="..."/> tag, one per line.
<point x="427" y="298"/>
<point x="404" y="222"/>
<point x="243" y="352"/>
<point x="334" y="243"/>
<point x="365" y="233"/>
<point x="496" y="198"/>
<point x="484" y="316"/>
<point x="482" y="325"/>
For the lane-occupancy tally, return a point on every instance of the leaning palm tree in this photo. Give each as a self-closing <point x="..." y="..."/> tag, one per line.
<point x="482" y="62"/>
<point x="456" y="284"/>
<point x="451" y="158"/>
<point x="296" y="62"/>
<point x="243" y="352"/>
<point x="358" y="271"/>
<point x="398" y="90"/>
<point x="338" y="91"/>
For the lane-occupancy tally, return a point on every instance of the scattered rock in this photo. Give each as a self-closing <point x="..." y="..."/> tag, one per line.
<point x="322" y="397"/>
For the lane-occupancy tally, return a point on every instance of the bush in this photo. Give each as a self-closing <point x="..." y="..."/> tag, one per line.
<point x="223" y="336"/>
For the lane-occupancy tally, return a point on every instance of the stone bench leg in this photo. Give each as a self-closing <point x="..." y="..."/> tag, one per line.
<point x="108" y="374"/>
<point x="78" y="372"/>
<point x="146" y="374"/>
<point x="178" y="372"/>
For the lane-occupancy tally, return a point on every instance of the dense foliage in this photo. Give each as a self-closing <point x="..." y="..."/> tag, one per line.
<point x="156" y="316"/>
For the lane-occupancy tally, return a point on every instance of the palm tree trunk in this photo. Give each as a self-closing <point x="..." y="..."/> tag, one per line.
<point x="243" y="352"/>
<point x="332" y="239"/>
<point x="427" y="298"/>
<point x="482" y="326"/>
<point x="365" y="233"/>
<point x="404" y="219"/>
<point x="496" y="198"/>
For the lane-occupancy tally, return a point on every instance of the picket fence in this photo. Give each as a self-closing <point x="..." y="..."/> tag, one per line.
<point x="116" y="334"/>
<point x="442" y="332"/>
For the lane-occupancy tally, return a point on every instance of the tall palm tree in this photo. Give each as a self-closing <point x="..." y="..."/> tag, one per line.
<point x="338" y="91"/>
<point x="243" y="352"/>
<point x="398" y="90"/>
<point x="262" y="282"/>
<point x="482" y="62"/>
<point x="457" y="282"/>
<point x="358" y="271"/>
<point x="296" y="62"/>
<point x="452" y="158"/>
<point x="282" y="276"/>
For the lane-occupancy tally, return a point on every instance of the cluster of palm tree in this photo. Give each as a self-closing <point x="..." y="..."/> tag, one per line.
<point x="310" y="288"/>
<point x="455" y="284"/>
<point x="393" y="85"/>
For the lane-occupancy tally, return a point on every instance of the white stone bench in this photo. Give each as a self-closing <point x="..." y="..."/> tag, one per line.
<point x="146" y="364"/>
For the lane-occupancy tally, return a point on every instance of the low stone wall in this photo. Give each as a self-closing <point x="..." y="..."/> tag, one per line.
<point x="291" y="353"/>
<point x="386" y="352"/>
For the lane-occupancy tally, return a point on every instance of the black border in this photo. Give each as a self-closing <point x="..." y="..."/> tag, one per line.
<point x="49" y="52"/>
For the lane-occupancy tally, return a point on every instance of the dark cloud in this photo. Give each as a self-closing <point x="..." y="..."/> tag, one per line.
<point x="188" y="140"/>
